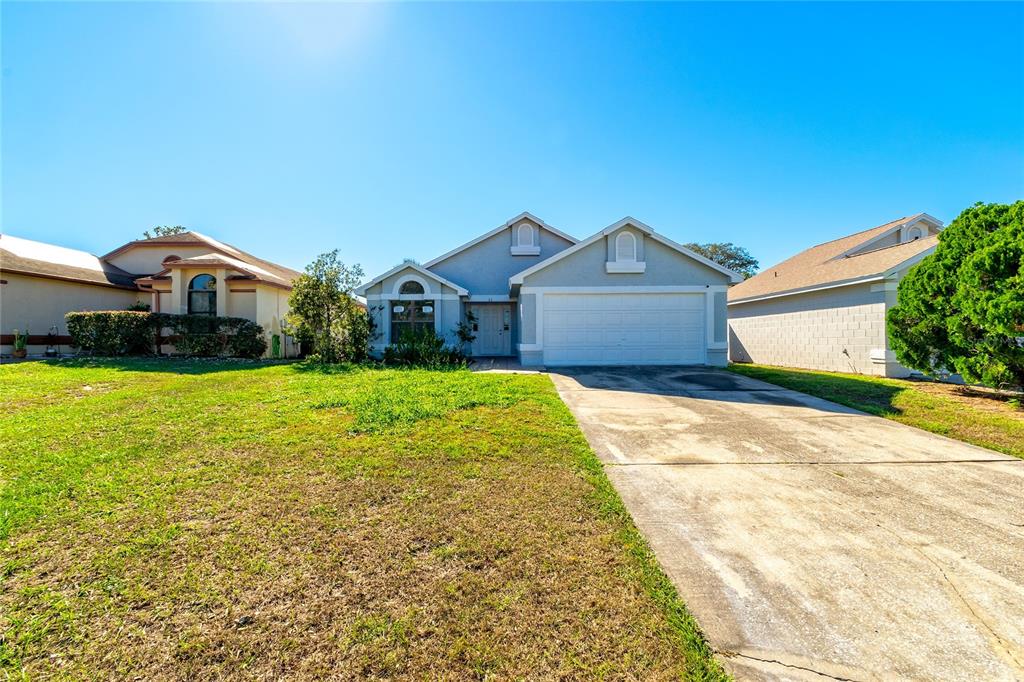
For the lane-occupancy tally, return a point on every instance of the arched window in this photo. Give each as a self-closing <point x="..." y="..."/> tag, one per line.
<point x="524" y="235"/>
<point x="914" y="233"/>
<point x="202" y="295"/>
<point x="411" y="287"/>
<point x="625" y="247"/>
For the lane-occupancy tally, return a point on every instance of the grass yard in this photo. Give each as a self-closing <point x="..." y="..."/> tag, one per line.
<point x="940" y="408"/>
<point x="169" y="520"/>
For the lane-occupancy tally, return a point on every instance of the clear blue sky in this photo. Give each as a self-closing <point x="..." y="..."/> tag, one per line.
<point x="403" y="130"/>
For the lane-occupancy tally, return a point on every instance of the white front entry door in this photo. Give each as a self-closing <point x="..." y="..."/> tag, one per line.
<point x="493" y="329"/>
<point x="624" y="329"/>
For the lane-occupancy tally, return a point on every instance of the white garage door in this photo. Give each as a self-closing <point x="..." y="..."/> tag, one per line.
<point x="624" y="329"/>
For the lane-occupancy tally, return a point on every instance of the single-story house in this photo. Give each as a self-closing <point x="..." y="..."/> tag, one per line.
<point x="825" y="308"/>
<point x="182" y="273"/>
<point x="624" y="296"/>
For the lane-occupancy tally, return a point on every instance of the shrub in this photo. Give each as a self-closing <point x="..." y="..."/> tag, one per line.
<point x="423" y="349"/>
<point x="111" y="332"/>
<point x="125" y="332"/>
<point x="962" y="308"/>
<point x="206" y="336"/>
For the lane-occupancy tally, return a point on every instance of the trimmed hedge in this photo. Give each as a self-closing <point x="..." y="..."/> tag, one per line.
<point x="111" y="332"/>
<point x="124" y="332"/>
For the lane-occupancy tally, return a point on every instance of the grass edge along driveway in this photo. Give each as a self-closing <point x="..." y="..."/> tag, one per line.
<point x="914" y="403"/>
<point x="164" y="518"/>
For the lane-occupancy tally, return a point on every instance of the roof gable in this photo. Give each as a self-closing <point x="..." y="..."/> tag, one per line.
<point x="361" y="291"/>
<point x="614" y="227"/>
<point x="263" y="270"/>
<point x="504" y="226"/>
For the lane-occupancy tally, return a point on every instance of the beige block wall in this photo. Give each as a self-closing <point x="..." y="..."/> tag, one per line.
<point x="271" y="309"/>
<point x="836" y="330"/>
<point x="39" y="303"/>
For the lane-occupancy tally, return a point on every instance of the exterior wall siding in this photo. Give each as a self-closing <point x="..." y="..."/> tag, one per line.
<point x="38" y="303"/>
<point x="665" y="267"/>
<point x="835" y="330"/>
<point x="485" y="268"/>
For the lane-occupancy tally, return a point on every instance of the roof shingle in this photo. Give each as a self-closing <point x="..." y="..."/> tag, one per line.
<point x="826" y="264"/>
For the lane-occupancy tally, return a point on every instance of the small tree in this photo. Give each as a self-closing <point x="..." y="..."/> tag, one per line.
<point x="164" y="231"/>
<point x="324" y="311"/>
<point x="962" y="308"/>
<point x="729" y="255"/>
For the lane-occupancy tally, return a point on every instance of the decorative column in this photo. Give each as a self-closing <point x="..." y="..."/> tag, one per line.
<point x="222" y="293"/>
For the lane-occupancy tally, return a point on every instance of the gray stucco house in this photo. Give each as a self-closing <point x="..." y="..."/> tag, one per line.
<point x="624" y="296"/>
<point x="825" y="308"/>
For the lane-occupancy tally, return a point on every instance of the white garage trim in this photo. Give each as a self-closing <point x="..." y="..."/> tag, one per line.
<point x="649" y="328"/>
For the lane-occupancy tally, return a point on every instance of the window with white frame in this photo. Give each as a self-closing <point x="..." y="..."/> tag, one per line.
<point x="524" y="235"/>
<point x="525" y="242"/>
<point x="625" y="247"/>
<point x="625" y="254"/>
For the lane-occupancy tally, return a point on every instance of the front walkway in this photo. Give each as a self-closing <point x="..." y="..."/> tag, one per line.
<point x="812" y="541"/>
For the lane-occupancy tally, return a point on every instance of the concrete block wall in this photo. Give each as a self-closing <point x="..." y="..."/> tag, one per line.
<point x="836" y="330"/>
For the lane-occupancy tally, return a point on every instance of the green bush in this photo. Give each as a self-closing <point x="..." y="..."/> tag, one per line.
<point x="111" y="332"/>
<point x="206" y="336"/>
<point x="962" y="308"/>
<point x="123" y="332"/>
<point x="423" y="349"/>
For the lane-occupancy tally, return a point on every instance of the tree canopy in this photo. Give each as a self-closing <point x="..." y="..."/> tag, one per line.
<point x="164" y="231"/>
<point x="324" y="313"/>
<point x="962" y="308"/>
<point x="731" y="256"/>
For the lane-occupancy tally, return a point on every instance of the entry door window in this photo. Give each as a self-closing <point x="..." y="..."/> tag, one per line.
<point x="411" y="316"/>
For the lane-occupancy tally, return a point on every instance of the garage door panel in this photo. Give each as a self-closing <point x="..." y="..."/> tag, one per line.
<point x="624" y="329"/>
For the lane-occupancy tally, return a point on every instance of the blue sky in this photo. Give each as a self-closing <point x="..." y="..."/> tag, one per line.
<point x="402" y="130"/>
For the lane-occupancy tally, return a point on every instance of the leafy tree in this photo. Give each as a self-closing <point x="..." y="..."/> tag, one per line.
<point x="962" y="308"/>
<point x="164" y="231"/>
<point x="731" y="256"/>
<point x="324" y="311"/>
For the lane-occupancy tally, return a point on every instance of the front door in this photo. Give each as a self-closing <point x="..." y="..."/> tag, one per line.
<point x="493" y="329"/>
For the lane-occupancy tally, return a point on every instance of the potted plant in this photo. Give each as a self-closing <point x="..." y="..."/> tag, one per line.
<point x="20" y="344"/>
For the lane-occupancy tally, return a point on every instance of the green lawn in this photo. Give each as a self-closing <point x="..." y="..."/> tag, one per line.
<point x="205" y="520"/>
<point x="933" y="407"/>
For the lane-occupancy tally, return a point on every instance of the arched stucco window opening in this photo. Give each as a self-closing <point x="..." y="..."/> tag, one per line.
<point x="411" y="287"/>
<point x="625" y="247"/>
<point x="202" y="295"/>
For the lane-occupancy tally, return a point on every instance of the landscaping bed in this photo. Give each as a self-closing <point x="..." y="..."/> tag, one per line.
<point x="182" y="519"/>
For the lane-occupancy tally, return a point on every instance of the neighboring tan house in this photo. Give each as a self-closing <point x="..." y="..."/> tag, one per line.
<point x="825" y="308"/>
<point x="624" y="296"/>
<point x="181" y="273"/>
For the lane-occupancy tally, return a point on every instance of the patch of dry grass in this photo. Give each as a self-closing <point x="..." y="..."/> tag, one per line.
<point x="219" y="521"/>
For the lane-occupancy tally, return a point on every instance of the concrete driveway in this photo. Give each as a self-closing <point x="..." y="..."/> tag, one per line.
<point x="812" y="541"/>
